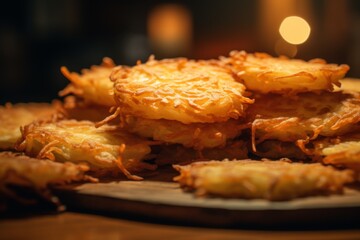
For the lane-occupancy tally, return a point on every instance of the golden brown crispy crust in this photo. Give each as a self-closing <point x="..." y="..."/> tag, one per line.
<point x="39" y="173"/>
<point x="184" y="90"/>
<point x="92" y="85"/>
<point x="304" y="117"/>
<point x="340" y="151"/>
<point x="13" y="116"/>
<point x="107" y="150"/>
<point x="272" y="180"/>
<point x="22" y="171"/>
<point x="194" y="135"/>
<point x="265" y="74"/>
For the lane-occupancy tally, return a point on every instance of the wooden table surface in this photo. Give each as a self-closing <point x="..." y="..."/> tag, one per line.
<point x="71" y="225"/>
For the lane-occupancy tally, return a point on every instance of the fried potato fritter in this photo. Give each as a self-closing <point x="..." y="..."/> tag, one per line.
<point x="184" y="90"/>
<point x="182" y="111"/>
<point x="107" y="149"/>
<point x="265" y="74"/>
<point x="93" y="85"/>
<point x="12" y="117"/>
<point x="303" y="117"/>
<point x="272" y="180"/>
<point x="195" y="135"/>
<point x="25" y="171"/>
<point x="38" y="175"/>
<point x="341" y="151"/>
<point x="346" y="155"/>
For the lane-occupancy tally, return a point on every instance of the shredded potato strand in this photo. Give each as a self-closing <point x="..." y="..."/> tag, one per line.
<point x="179" y="89"/>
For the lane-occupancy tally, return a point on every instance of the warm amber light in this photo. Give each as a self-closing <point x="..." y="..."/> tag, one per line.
<point x="169" y="27"/>
<point x="295" y="30"/>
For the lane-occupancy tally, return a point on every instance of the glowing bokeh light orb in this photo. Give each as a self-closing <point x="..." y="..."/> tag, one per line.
<point x="295" y="30"/>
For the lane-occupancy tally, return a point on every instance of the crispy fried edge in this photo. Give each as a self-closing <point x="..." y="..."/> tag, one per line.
<point x="12" y="177"/>
<point x="48" y="149"/>
<point x="75" y="87"/>
<point x="328" y="73"/>
<point x="121" y="72"/>
<point x="188" y="178"/>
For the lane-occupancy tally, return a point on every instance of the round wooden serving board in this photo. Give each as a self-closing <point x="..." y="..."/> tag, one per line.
<point x="157" y="199"/>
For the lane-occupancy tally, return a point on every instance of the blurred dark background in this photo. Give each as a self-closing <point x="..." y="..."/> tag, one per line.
<point x="37" y="37"/>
